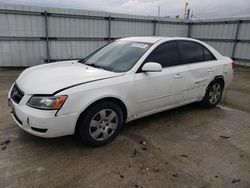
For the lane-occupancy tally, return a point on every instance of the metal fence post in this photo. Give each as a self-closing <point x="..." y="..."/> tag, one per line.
<point x="236" y="38"/>
<point x="189" y="29"/>
<point x="47" y="36"/>
<point x="109" y="29"/>
<point x="154" y="30"/>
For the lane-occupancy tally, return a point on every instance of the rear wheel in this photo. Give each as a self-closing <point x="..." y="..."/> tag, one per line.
<point x="100" y="124"/>
<point x="213" y="94"/>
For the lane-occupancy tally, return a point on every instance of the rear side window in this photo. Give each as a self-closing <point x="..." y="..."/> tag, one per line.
<point x="166" y="54"/>
<point x="208" y="56"/>
<point x="191" y="52"/>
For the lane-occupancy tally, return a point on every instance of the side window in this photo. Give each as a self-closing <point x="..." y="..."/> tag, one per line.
<point x="191" y="52"/>
<point x="208" y="56"/>
<point x="166" y="54"/>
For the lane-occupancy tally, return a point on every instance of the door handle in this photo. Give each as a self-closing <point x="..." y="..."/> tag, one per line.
<point x="178" y="75"/>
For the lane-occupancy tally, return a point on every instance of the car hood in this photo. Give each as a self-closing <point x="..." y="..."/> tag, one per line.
<point x="49" y="78"/>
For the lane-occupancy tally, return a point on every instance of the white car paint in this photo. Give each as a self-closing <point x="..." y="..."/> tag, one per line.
<point x="44" y="79"/>
<point x="142" y="93"/>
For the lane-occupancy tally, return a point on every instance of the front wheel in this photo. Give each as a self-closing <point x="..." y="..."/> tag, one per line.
<point x="213" y="94"/>
<point x="100" y="124"/>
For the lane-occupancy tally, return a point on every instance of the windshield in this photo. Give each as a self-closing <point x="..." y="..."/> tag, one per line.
<point x="118" y="56"/>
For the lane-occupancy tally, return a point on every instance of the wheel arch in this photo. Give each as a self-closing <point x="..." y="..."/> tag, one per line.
<point x="221" y="79"/>
<point x="115" y="100"/>
<point x="205" y="101"/>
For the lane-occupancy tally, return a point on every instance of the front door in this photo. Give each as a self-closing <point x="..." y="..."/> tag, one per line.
<point x="156" y="90"/>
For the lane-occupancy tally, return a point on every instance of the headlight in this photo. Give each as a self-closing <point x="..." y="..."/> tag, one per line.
<point x="47" y="102"/>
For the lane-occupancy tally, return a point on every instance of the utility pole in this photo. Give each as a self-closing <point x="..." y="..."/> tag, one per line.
<point x="188" y="13"/>
<point x="159" y="11"/>
<point x="192" y="14"/>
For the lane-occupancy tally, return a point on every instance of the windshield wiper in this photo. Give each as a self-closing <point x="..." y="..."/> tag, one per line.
<point x="82" y="60"/>
<point x="85" y="61"/>
<point x="93" y="65"/>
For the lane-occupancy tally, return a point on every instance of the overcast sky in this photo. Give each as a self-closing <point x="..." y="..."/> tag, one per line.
<point x="202" y="8"/>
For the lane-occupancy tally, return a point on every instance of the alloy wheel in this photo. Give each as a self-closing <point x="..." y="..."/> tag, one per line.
<point x="215" y="93"/>
<point x="103" y="124"/>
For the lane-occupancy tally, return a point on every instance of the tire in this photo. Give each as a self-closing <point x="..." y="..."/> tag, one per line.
<point x="100" y="124"/>
<point x="213" y="94"/>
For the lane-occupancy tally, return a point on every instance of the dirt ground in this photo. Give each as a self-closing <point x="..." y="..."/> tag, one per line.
<point x="184" y="147"/>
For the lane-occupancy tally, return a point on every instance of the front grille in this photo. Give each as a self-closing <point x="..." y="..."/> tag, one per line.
<point x="16" y="94"/>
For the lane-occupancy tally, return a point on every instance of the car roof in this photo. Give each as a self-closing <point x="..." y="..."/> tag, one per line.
<point x="154" y="39"/>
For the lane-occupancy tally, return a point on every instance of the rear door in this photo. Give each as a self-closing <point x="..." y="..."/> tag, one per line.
<point x="201" y="67"/>
<point x="155" y="90"/>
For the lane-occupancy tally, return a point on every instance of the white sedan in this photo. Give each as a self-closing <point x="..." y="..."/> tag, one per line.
<point x="125" y="80"/>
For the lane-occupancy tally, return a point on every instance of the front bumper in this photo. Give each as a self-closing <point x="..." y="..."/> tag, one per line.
<point x="42" y="123"/>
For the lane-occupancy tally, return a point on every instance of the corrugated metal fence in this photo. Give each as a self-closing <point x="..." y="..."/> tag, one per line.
<point x="231" y="37"/>
<point x="34" y="35"/>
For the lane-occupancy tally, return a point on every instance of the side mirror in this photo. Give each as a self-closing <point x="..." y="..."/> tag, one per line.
<point x="152" y="67"/>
